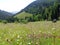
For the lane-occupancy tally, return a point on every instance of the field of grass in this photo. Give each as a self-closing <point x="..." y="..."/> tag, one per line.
<point x="32" y="33"/>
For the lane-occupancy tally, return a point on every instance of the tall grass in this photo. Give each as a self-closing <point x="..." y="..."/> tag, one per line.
<point x="33" y="33"/>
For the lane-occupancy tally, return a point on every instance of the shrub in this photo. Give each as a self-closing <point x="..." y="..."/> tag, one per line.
<point x="4" y="21"/>
<point x="24" y="21"/>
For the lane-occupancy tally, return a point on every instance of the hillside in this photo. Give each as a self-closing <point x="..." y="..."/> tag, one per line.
<point x="41" y="10"/>
<point x="22" y="15"/>
<point x="38" y="6"/>
<point x="4" y="15"/>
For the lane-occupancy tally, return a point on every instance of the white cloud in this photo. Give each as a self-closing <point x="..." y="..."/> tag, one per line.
<point x="14" y="5"/>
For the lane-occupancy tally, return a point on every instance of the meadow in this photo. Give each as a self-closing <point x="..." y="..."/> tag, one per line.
<point x="32" y="33"/>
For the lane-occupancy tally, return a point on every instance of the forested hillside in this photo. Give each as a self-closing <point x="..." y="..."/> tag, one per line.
<point x="42" y="10"/>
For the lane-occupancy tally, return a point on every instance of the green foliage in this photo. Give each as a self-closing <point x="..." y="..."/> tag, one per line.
<point x="24" y="21"/>
<point x="4" y="21"/>
<point x="0" y="20"/>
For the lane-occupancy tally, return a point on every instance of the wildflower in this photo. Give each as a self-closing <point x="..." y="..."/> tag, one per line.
<point x="34" y="33"/>
<point x="18" y="40"/>
<point x="53" y="32"/>
<point x="18" y="36"/>
<point x="40" y="31"/>
<point x="29" y="43"/>
<point x="53" y="28"/>
<point x="8" y="40"/>
<point x="37" y="43"/>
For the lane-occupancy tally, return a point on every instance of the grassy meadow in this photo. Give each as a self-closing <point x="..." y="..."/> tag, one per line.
<point x="32" y="33"/>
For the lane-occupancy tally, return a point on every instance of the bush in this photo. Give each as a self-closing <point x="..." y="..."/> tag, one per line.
<point x="0" y="20"/>
<point x="4" y="21"/>
<point x="24" y="21"/>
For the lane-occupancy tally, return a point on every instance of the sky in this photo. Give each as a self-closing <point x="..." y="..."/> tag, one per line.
<point x="14" y="5"/>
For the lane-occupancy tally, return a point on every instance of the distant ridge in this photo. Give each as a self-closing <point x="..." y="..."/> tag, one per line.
<point x="4" y="15"/>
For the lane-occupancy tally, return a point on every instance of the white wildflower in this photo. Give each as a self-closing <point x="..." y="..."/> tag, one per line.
<point x="40" y="31"/>
<point x="36" y="43"/>
<point x="18" y="36"/>
<point x="53" y="28"/>
<point x="29" y="43"/>
<point x="18" y="40"/>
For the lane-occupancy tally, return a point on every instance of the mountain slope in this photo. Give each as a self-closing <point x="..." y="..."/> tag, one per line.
<point x="22" y="15"/>
<point x="5" y="15"/>
<point x="41" y="10"/>
<point x="38" y="6"/>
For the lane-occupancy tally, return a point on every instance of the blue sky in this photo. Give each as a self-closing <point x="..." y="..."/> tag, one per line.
<point x="14" y="5"/>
